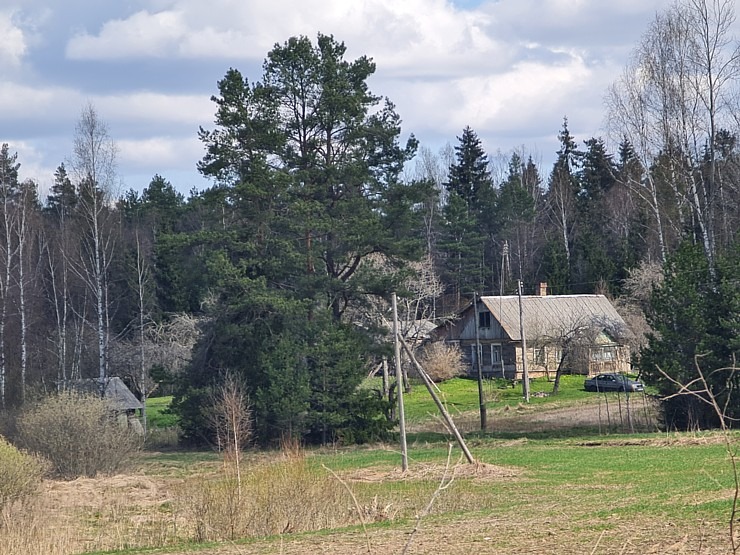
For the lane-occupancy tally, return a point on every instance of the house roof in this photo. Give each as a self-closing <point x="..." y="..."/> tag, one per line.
<point x="117" y="394"/>
<point x="556" y="315"/>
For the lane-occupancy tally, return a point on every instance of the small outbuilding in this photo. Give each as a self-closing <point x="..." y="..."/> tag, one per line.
<point x="584" y="328"/>
<point x="117" y="395"/>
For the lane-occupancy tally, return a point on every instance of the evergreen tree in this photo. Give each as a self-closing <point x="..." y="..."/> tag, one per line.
<point x="461" y="245"/>
<point x="307" y="164"/>
<point x="561" y="200"/>
<point x="694" y="317"/>
<point x="515" y="214"/>
<point x="335" y="160"/>
<point x="468" y="225"/>
<point x="62" y="198"/>
<point x="594" y="250"/>
<point x="469" y="177"/>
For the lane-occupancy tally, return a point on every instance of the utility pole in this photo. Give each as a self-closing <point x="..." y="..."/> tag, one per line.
<point x="399" y="387"/>
<point x="525" y="373"/>
<point x="440" y="406"/>
<point x="478" y="353"/>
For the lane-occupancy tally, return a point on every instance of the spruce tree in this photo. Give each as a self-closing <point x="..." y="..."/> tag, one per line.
<point x="468" y="219"/>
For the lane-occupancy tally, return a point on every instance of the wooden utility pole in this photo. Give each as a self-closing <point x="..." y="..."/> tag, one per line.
<point x="478" y="353"/>
<point x="399" y="387"/>
<point x="440" y="406"/>
<point x="525" y="373"/>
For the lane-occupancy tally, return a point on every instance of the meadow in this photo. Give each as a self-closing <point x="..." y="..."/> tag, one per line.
<point x="591" y="488"/>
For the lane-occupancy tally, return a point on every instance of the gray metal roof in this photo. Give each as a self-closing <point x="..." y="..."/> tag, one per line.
<point x="556" y="315"/>
<point x="118" y="396"/>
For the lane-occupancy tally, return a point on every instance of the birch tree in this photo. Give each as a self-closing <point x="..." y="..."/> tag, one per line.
<point x="670" y="103"/>
<point x="94" y="166"/>
<point x="60" y="206"/>
<point x="24" y="232"/>
<point x="8" y="189"/>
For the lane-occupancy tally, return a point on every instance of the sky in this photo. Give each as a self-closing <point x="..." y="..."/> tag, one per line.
<point x="509" y="69"/>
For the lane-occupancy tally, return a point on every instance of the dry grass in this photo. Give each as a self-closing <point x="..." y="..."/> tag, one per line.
<point x="512" y="507"/>
<point x="432" y="471"/>
<point x="282" y="496"/>
<point x="87" y="514"/>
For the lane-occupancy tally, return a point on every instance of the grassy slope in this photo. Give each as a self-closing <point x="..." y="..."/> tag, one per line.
<point x="649" y="490"/>
<point x="461" y="395"/>
<point x="157" y="414"/>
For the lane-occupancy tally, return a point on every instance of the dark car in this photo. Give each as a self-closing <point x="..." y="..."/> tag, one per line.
<point x="612" y="382"/>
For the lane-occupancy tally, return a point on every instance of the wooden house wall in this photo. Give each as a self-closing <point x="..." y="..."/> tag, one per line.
<point x="542" y="359"/>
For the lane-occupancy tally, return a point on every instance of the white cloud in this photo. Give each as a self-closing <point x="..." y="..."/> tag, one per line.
<point x="155" y="108"/>
<point x="141" y="35"/>
<point x="426" y="35"/>
<point x="508" y="102"/>
<point x="21" y="101"/>
<point x="13" y="45"/>
<point x="159" y="154"/>
<point x="130" y="109"/>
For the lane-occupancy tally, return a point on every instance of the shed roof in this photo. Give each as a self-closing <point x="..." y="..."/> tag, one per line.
<point x="556" y="315"/>
<point x="117" y="394"/>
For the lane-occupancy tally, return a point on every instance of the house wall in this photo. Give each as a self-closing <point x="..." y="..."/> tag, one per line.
<point x="502" y="357"/>
<point x="497" y="361"/>
<point x="543" y="361"/>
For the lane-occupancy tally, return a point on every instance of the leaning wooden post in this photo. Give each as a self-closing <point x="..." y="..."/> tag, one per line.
<point x="399" y="388"/>
<point x="440" y="406"/>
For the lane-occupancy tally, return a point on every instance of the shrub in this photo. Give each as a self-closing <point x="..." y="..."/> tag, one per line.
<point x="287" y="495"/>
<point x="21" y="474"/>
<point x="78" y="434"/>
<point x="442" y="361"/>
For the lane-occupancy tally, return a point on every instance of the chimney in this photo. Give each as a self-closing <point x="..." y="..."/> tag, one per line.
<point x="542" y="289"/>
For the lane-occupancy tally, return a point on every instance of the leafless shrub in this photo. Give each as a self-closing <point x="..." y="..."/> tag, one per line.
<point x="21" y="475"/>
<point x="231" y="420"/>
<point x="167" y="344"/>
<point x="638" y="287"/>
<point x="442" y="361"/>
<point x="78" y="434"/>
<point x="284" y="496"/>
<point x="700" y="389"/>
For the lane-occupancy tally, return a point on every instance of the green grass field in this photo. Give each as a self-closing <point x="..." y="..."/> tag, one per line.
<point x="157" y="412"/>
<point x="532" y="491"/>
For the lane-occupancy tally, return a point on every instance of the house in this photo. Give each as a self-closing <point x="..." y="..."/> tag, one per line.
<point x="586" y="328"/>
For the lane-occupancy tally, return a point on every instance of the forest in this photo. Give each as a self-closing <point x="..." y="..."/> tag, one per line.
<point x="281" y="272"/>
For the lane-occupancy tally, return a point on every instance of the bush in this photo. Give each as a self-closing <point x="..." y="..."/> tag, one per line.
<point x="442" y="361"/>
<point x="21" y="474"/>
<point x="287" y="495"/>
<point x="78" y="434"/>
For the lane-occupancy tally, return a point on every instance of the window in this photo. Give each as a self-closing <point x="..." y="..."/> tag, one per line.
<point x="603" y="354"/>
<point x="484" y="319"/>
<point x="539" y="356"/>
<point x="495" y="354"/>
<point x="489" y="355"/>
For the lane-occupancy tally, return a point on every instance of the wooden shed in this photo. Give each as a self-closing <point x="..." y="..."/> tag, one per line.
<point x="117" y="395"/>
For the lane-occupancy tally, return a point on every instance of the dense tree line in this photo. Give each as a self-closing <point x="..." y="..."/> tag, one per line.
<point x="279" y="273"/>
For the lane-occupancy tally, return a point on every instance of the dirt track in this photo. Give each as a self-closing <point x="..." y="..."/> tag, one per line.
<point x="600" y="413"/>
